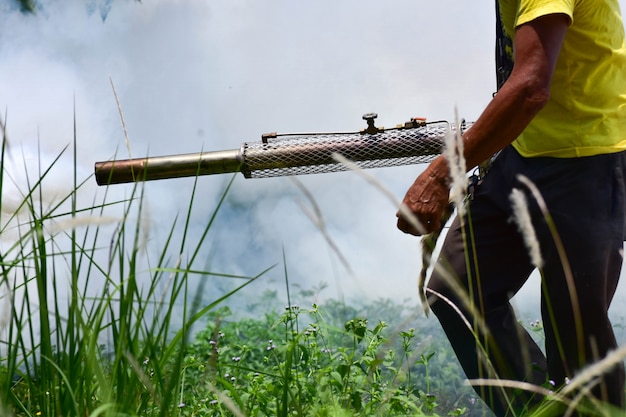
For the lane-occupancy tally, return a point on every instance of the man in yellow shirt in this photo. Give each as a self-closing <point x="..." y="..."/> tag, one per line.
<point x="560" y="121"/>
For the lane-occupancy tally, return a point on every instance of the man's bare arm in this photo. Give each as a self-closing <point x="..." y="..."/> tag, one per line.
<point x="537" y="45"/>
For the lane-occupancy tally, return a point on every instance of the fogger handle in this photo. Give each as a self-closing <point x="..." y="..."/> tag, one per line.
<point x="173" y="166"/>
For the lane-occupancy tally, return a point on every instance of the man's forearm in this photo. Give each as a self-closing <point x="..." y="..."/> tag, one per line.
<point x="504" y="119"/>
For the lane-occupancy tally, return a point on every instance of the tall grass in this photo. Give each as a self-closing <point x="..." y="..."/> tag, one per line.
<point x="97" y="326"/>
<point x="87" y="305"/>
<point x="92" y="324"/>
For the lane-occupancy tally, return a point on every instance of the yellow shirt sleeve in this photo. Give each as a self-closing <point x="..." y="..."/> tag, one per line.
<point x="530" y="10"/>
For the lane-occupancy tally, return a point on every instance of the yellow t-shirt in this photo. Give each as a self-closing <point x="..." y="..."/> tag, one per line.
<point x="586" y="113"/>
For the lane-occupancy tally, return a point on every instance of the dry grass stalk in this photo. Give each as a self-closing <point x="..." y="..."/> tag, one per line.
<point x="567" y="270"/>
<point x="453" y="153"/>
<point x="521" y="217"/>
<point x="316" y="217"/>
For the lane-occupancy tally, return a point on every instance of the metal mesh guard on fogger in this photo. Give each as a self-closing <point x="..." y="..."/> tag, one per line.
<point x="313" y="154"/>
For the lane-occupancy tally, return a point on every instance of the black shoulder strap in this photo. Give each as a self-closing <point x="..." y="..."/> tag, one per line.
<point x="504" y="62"/>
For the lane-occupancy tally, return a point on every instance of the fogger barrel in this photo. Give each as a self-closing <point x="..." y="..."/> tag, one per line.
<point x="413" y="142"/>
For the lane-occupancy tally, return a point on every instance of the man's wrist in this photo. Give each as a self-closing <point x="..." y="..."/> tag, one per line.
<point x="439" y="173"/>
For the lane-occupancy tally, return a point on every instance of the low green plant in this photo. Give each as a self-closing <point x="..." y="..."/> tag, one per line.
<point x="297" y="363"/>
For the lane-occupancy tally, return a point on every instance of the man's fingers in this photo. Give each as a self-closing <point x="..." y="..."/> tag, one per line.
<point x="409" y="223"/>
<point x="405" y="227"/>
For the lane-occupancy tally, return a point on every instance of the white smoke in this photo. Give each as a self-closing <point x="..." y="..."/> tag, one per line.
<point x="208" y="75"/>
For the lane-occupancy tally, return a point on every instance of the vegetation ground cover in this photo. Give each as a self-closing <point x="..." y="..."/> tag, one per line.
<point x="92" y="324"/>
<point x="325" y="360"/>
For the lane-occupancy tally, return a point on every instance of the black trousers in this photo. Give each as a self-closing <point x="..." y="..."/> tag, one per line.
<point x="489" y="262"/>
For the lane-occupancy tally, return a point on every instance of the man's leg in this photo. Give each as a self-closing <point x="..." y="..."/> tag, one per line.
<point x="502" y="348"/>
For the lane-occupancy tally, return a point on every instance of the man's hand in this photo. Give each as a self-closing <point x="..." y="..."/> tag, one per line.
<point x="425" y="201"/>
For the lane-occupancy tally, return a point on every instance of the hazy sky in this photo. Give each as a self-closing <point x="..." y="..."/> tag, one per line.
<point x="196" y="75"/>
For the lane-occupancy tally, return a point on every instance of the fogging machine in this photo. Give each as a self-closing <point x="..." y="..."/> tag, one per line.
<point x="412" y="142"/>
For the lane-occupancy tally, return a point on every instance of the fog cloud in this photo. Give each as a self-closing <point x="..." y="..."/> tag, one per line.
<point x="208" y="75"/>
